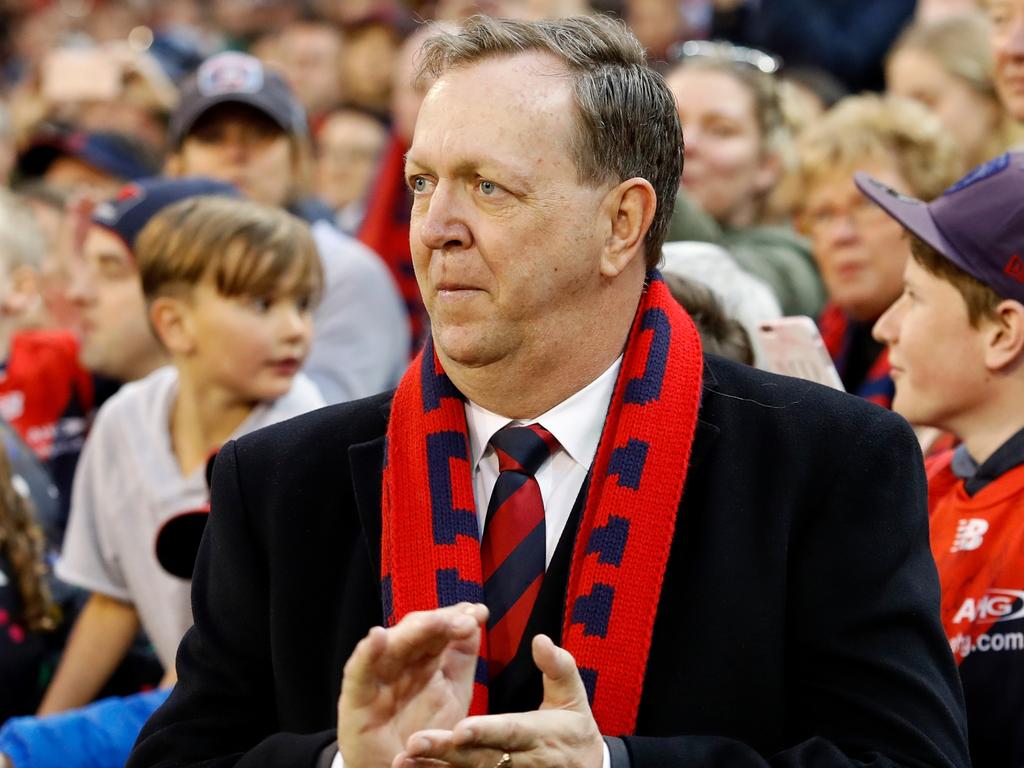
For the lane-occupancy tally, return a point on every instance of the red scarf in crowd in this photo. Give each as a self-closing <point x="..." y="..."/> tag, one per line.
<point x="837" y="333"/>
<point x="430" y="547"/>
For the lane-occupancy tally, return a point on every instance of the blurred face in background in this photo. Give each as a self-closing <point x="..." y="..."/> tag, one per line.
<point x="349" y="146"/>
<point x="116" y="337"/>
<point x="242" y="146"/>
<point x="368" y="60"/>
<point x="860" y="251"/>
<point x="309" y="54"/>
<point x="727" y="171"/>
<point x="1007" y="17"/>
<point x="970" y="116"/>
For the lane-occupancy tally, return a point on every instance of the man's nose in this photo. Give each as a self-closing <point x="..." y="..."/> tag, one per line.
<point x="81" y="289"/>
<point x="443" y="225"/>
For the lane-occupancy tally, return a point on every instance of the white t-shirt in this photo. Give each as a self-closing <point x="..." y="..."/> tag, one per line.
<point x="361" y="328"/>
<point x="128" y="484"/>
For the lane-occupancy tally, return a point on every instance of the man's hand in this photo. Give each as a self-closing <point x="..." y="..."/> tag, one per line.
<point x="561" y="733"/>
<point x="416" y="675"/>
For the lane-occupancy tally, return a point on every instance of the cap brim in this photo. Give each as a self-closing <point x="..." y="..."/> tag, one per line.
<point x="177" y="543"/>
<point x="204" y="105"/>
<point x="911" y="213"/>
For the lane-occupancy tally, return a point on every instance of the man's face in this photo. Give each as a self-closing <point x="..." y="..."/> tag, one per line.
<point x="244" y="147"/>
<point x="348" y="149"/>
<point x="116" y="338"/>
<point x="310" y="55"/>
<point x="1007" y="18"/>
<point x="937" y="356"/>
<point x="860" y="251"/>
<point x="506" y="242"/>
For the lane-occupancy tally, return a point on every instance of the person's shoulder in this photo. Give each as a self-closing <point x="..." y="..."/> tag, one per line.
<point x="734" y="392"/>
<point x="139" y="402"/>
<point x="327" y="431"/>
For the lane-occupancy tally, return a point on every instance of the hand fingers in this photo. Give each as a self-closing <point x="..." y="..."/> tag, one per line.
<point x="563" y="686"/>
<point x="437" y="747"/>
<point x="359" y="683"/>
<point x="517" y="732"/>
<point x="425" y="634"/>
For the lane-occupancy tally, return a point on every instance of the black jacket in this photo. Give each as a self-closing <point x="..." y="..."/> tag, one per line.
<point x="798" y="622"/>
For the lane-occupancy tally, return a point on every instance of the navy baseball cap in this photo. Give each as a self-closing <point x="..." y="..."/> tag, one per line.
<point x="978" y="223"/>
<point x="120" y="156"/>
<point x="140" y="201"/>
<point x="236" y="78"/>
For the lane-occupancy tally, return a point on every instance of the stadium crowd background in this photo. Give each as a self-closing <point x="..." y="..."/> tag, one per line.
<point x="781" y="101"/>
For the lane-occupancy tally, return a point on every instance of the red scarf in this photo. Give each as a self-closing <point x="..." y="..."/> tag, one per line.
<point x="430" y="550"/>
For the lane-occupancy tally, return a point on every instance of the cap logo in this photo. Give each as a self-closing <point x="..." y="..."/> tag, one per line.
<point x="230" y="73"/>
<point x="1015" y="268"/>
<point x="128" y="197"/>
<point x="982" y="172"/>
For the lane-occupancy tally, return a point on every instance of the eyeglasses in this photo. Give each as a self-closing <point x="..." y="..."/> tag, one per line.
<point x="861" y="211"/>
<point x="739" y="54"/>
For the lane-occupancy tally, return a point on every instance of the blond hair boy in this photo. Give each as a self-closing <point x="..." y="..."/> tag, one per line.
<point x="230" y="287"/>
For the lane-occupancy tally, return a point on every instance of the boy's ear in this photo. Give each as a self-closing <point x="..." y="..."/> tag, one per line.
<point x="172" y="324"/>
<point x="1006" y="340"/>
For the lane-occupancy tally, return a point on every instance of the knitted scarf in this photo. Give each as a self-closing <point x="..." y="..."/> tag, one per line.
<point x="430" y="551"/>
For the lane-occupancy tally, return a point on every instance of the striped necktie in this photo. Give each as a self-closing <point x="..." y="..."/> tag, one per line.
<point x="512" y="550"/>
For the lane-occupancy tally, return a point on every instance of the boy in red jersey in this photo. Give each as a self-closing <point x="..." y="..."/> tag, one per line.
<point x="956" y="344"/>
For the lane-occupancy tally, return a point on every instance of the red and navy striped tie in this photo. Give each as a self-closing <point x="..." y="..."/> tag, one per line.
<point x="512" y="551"/>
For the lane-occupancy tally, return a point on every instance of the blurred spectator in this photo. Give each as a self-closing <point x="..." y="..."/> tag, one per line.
<point x="737" y="142"/>
<point x="849" y="38"/>
<point x="368" y="61"/>
<point x="238" y="122"/>
<point x="947" y="66"/>
<point x="78" y="161"/>
<point x="386" y="223"/>
<point x="44" y="393"/>
<point x="658" y="24"/>
<point x="8" y="152"/>
<point x="308" y="51"/>
<point x="720" y="334"/>
<point x="860" y="251"/>
<point x="28" y="613"/>
<point x="349" y="146"/>
<point x="1007" y="18"/>
<point x="808" y="93"/>
<point x="242" y="21"/>
<point x="742" y="296"/>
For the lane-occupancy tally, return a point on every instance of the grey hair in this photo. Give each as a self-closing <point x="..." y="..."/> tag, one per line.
<point x="627" y="125"/>
<point x="21" y="241"/>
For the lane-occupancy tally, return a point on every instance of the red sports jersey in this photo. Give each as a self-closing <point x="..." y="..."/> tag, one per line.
<point x="45" y="394"/>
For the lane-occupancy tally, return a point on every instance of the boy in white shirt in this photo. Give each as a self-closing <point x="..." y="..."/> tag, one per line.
<point x="229" y="287"/>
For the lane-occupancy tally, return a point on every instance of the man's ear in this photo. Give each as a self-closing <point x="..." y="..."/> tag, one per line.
<point x="1005" y="340"/>
<point x="630" y="208"/>
<point x="172" y="324"/>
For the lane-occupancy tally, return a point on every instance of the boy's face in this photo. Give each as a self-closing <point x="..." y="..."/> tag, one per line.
<point x="116" y="338"/>
<point x="248" y="347"/>
<point x="937" y="356"/>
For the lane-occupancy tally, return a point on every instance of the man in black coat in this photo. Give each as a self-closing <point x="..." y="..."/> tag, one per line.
<point x="787" y="613"/>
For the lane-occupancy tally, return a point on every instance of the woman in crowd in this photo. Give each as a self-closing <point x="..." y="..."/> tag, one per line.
<point x="737" y="141"/>
<point x="860" y="251"/>
<point x="947" y="66"/>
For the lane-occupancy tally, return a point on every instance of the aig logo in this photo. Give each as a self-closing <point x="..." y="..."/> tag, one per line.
<point x="995" y="605"/>
<point x="970" y="534"/>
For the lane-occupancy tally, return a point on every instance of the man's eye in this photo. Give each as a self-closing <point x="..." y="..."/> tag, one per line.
<point x="420" y="185"/>
<point x="489" y="188"/>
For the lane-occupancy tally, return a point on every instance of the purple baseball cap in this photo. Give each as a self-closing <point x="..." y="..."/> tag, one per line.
<point x="978" y="223"/>
<point x="236" y="78"/>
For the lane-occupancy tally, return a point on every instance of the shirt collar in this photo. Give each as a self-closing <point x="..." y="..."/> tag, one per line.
<point x="1007" y="456"/>
<point x="576" y="422"/>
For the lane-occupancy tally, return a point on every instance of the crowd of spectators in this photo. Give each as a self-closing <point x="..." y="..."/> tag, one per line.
<point x="164" y="165"/>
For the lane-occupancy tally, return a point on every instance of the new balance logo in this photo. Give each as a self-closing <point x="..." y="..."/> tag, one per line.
<point x="970" y="534"/>
<point x="1015" y="268"/>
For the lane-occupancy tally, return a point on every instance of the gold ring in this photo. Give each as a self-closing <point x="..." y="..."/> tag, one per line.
<point x="505" y="762"/>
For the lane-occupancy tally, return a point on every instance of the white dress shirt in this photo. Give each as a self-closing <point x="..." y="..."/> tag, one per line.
<point x="576" y="423"/>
